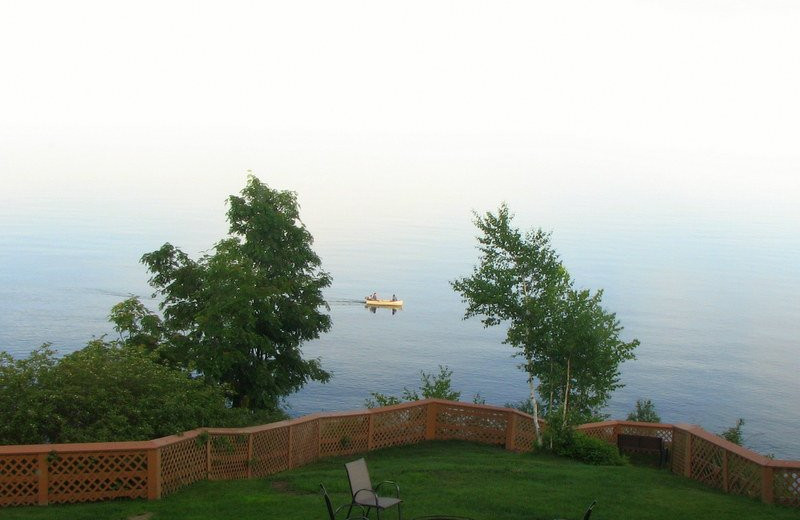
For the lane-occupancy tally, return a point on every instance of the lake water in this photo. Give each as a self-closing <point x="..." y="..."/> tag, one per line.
<point x="711" y="291"/>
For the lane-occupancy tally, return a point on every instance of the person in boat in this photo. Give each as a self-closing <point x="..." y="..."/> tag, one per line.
<point x="394" y="298"/>
<point x="374" y="296"/>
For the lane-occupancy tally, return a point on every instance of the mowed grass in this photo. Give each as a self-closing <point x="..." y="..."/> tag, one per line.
<point x="463" y="479"/>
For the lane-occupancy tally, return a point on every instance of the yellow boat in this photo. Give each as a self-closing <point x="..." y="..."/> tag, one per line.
<point x="384" y="303"/>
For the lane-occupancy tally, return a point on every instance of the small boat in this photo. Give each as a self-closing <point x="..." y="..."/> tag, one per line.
<point x="384" y="303"/>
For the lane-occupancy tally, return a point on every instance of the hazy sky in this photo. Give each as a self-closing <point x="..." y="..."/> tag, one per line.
<point x="420" y="105"/>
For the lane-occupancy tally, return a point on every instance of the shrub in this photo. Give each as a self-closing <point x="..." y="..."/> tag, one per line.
<point x="591" y="451"/>
<point x="645" y="412"/>
<point x="106" y="392"/>
<point x="734" y="433"/>
<point x="561" y="438"/>
<point x="431" y="387"/>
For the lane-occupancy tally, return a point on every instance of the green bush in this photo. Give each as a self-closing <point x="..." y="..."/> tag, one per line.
<point x="645" y="412"/>
<point x="734" y="434"/>
<point x="591" y="451"/>
<point x="107" y="392"/>
<point x="431" y="387"/>
<point x="561" y="438"/>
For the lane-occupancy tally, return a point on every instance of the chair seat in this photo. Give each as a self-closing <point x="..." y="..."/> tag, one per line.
<point x="383" y="502"/>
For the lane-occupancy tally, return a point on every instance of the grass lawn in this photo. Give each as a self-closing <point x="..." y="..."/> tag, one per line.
<point x="463" y="479"/>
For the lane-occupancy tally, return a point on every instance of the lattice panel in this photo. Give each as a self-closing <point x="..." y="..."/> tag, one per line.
<point x="605" y="433"/>
<point x="678" y="456"/>
<point x="305" y="443"/>
<point x="79" y="477"/>
<point x="270" y="451"/>
<point x="707" y="462"/>
<point x="19" y="480"/>
<point x="229" y="457"/>
<point x="183" y="463"/>
<point x="664" y="433"/>
<point x="471" y="424"/>
<point x="343" y="435"/>
<point x="787" y="486"/>
<point x="398" y="427"/>
<point x="744" y="476"/>
<point x="525" y="434"/>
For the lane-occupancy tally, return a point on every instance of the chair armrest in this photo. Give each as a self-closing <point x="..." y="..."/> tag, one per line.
<point x="374" y="495"/>
<point x="396" y="487"/>
<point x="362" y="516"/>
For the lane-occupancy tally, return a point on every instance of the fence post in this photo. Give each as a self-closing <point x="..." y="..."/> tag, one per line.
<point x="767" y="489"/>
<point x="250" y="455"/>
<point x="154" y="473"/>
<point x="44" y="480"/>
<point x="725" y="485"/>
<point x="370" y="431"/>
<point x="289" y="447"/>
<point x="511" y="430"/>
<point x="430" y="421"/>
<point x="687" y="468"/>
<point x="319" y="437"/>
<point x="208" y="456"/>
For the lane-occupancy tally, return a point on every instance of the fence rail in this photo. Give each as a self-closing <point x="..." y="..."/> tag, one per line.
<point x="65" y="473"/>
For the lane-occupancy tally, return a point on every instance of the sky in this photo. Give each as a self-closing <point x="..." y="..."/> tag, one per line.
<point x="658" y="139"/>
<point x="433" y="107"/>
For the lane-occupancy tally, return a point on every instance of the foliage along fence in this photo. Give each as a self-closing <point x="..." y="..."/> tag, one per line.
<point x="66" y="473"/>
<point x="714" y="461"/>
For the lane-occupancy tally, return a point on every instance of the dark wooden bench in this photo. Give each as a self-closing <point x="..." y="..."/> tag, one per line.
<point x="643" y="444"/>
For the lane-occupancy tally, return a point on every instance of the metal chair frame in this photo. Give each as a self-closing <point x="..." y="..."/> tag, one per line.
<point x="361" y="464"/>
<point x="333" y="512"/>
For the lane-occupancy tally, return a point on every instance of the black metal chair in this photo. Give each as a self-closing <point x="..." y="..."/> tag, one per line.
<point x="363" y="494"/>
<point x="588" y="512"/>
<point x="333" y="512"/>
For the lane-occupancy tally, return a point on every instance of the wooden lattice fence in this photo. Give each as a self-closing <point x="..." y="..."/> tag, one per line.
<point x="714" y="461"/>
<point x="63" y="473"/>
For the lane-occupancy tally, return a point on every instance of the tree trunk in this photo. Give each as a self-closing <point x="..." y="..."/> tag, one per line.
<point x="531" y="382"/>
<point x="535" y="411"/>
<point x="566" y="391"/>
<point x="550" y="404"/>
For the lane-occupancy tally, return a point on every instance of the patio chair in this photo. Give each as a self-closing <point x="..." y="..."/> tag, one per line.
<point x="588" y="512"/>
<point x="333" y="512"/>
<point x="364" y="495"/>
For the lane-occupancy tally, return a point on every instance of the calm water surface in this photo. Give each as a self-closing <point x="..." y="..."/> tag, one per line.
<point x="714" y="302"/>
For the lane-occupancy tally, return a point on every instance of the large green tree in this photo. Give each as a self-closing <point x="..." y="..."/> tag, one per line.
<point x="240" y="314"/>
<point x="570" y="345"/>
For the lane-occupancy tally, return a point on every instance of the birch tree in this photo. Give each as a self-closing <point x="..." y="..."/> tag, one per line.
<point x="515" y="277"/>
<point x="570" y="344"/>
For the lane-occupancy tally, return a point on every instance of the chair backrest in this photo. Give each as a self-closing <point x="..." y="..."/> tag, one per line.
<point x="328" y="504"/>
<point x="358" y="475"/>
<point x="588" y="512"/>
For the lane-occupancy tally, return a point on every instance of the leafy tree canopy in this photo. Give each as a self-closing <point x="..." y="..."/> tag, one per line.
<point x="570" y="345"/>
<point x="240" y="314"/>
<point x="645" y="412"/>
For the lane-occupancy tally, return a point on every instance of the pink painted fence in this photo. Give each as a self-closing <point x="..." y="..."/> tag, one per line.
<point x="64" y="473"/>
<point x="708" y="458"/>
